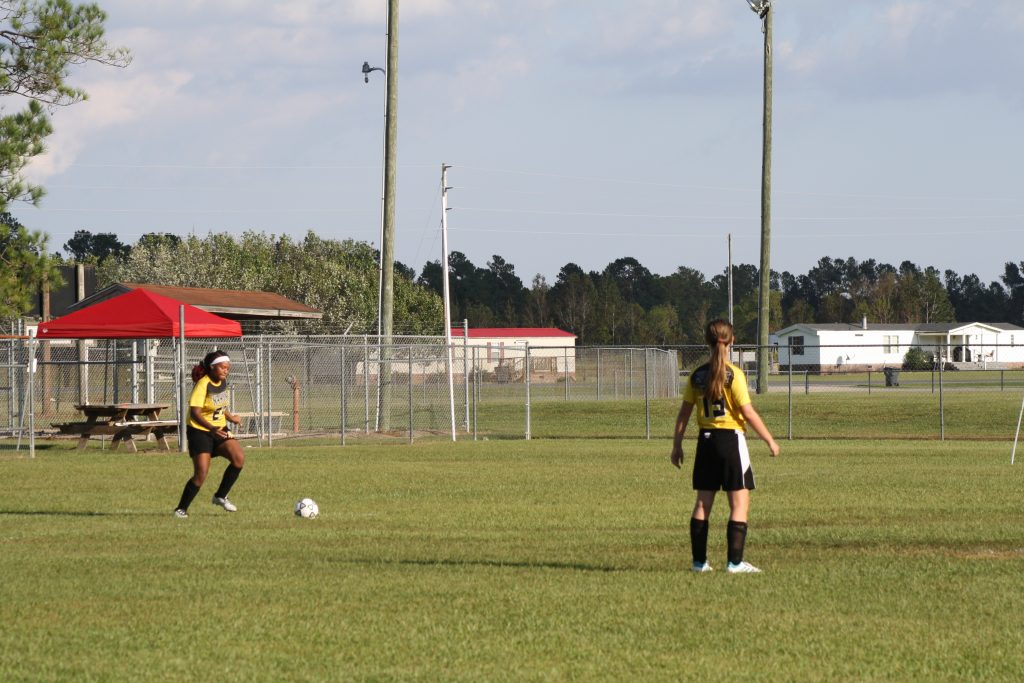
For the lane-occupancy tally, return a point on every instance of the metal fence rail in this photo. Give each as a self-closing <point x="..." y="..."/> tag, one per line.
<point x="353" y="388"/>
<point x="342" y="386"/>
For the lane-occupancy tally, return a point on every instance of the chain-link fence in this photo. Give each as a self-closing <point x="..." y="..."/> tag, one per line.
<point x="338" y="386"/>
<point x="346" y="388"/>
<point x="886" y="395"/>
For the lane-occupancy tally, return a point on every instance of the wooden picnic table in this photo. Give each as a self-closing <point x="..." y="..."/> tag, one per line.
<point x="123" y="421"/>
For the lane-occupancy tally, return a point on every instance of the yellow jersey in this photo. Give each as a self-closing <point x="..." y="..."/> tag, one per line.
<point x="723" y="413"/>
<point x="212" y="400"/>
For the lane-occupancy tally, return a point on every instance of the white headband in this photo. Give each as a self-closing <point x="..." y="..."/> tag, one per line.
<point x="218" y="360"/>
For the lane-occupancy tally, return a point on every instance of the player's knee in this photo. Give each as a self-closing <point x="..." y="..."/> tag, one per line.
<point x="200" y="475"/>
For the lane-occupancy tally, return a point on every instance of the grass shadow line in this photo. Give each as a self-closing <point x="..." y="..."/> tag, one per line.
<point x="499" y="564"/>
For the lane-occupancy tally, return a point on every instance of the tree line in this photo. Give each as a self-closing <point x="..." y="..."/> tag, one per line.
<point x="623" y="303"/>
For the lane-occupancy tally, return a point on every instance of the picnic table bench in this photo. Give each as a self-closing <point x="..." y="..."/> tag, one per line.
<point x="123" y="421"/>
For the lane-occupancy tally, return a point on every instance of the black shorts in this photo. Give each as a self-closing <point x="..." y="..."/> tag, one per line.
<point x="722" y="461"/>
<point x="202" y="441"/>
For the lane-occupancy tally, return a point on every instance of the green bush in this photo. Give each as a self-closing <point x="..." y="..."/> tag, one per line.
<point x="917" y="359"/>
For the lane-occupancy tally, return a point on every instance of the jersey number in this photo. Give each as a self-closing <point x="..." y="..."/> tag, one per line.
<point x="713" y="409"/>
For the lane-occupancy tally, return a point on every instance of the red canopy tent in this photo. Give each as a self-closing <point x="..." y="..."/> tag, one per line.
<point x="138" y="314"/>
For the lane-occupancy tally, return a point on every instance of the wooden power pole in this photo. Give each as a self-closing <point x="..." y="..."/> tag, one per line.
<point x="387" y="253"/>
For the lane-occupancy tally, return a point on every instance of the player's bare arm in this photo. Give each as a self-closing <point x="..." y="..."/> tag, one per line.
<point x="682" y="420"/>
<point x="755" y="421"/>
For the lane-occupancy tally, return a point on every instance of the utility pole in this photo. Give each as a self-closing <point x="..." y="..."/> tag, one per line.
<point x="447" y="298"/>
<point x="730" y="277"/>
<point x="387" y="251"/>
<point x="763" y="8"/>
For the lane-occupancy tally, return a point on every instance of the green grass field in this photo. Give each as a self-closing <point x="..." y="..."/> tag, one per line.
<point x="512" y="560"/>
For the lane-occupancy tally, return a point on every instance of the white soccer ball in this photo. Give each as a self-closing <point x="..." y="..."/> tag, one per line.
<point x="307" y="509"/>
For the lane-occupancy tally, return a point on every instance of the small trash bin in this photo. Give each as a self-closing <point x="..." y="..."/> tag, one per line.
<point x="892" y="377"/>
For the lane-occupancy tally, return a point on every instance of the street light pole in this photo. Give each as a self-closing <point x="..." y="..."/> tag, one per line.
<point x="367" y="70"/>
<point x="763" y="8"/>
<point x="386" y="294"/>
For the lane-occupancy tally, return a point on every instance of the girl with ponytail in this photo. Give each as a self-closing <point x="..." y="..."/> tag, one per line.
<point x="719" y="391"/>
<point x="208" y="434"/>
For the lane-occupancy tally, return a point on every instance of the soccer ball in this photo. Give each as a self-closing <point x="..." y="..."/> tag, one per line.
<point x="307" y="508"/>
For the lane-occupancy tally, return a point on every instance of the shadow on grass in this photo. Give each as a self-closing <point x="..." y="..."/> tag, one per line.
<point x="499" y="564"/>
<point x="72" y="513"/>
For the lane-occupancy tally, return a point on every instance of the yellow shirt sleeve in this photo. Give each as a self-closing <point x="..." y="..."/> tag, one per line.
<point x="740" y="391"/>
<point x="689" y="392"/>
<point x="198" y="397"/>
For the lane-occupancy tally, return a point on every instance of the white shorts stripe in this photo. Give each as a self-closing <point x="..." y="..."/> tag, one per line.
<point x="741" y="444"/>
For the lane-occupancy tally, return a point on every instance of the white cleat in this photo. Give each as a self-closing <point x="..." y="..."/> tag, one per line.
<point x="181" y="514"/>
<point x="742" y="568"/>
<point x="701" y="567"/>
<point x="224" y="503"/>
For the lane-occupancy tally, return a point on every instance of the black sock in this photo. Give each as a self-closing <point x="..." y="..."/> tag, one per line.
<point x="187" y="495"/>
<point x="736" y="535"/>
<point x="699" y="539"/>
<point x="230" y="475"/>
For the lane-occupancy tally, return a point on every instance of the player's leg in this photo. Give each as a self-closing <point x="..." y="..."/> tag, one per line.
<point x="707" y="480"/>
<point x="739" y="482"/>
<point x="699" y="529"/>
<point x="232" y="450"/>
<point x="200" y="467"/>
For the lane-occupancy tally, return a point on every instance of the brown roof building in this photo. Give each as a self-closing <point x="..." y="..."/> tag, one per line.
<point x="229" y="303"/>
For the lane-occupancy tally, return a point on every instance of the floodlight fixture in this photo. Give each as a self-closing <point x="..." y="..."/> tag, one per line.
<point x="760" y="7"/>
<point x="367" y="70"/>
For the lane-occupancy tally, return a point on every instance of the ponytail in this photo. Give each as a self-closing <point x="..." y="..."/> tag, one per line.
<point x="197" y="372"/>
<point x="718" y="335"/>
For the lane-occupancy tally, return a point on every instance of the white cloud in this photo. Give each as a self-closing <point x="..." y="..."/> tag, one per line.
<point x="114" y="102"/>
<point x="903" y="19"/>
<point x="487" y="76"/>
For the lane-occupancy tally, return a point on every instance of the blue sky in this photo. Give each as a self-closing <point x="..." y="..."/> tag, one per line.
<point x="578" y="130"/>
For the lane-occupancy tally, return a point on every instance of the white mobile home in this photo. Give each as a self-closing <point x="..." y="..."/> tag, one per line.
<point x="841" y="346"/>
<point x="501" y="350"/>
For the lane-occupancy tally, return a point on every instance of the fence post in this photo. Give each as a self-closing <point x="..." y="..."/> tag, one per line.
<point x="565" y="363"/>
<point x="258" y="401"/>
<point x="476" y="389"/>
<point x="790" y="382"/>
<point x="942" y="407"/>
<point x="179" y="375"/>
<point x="630" y="374"/>
<point x="598" y="374"/>
<point x="1001" y="386"/>
<point x="465" y="365"/>
<point x="526" y="365"/>
<point x="366" y="382"/>
<point x="10" y="378"/>
<point x="83" y="370"/>
<point x="134" y="373"/>
<point x="410" y="394"/>
<point x="150" y="372"/>
<point x="344" y="401"/>
<point x="270" y="394"/>
<point x="647" y="398"/>
<point x="307" y="371"/>
<point x="807" y="382"/>
<point x="31" y="367"/>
